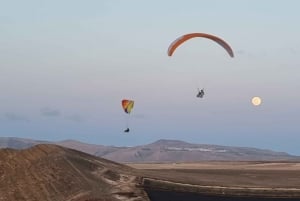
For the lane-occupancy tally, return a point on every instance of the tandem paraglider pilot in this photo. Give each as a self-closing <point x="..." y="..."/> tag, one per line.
<point x="200" y="93"/>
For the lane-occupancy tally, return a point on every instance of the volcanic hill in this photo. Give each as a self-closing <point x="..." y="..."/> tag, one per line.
<point x="53" y="173"/>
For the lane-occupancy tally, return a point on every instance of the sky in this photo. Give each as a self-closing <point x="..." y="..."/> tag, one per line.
<point x="66" y="65"/>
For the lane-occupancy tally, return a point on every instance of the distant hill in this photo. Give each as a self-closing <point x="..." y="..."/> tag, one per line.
<point x="161" y="151"/>
<point x="179" y="151"/>
<point x="18" y="143"/>
<point x="51" y="172"/>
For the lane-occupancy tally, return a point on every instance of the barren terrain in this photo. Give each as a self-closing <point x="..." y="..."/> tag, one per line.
<point x="54" y="173"/>
<point x="225" y="179"/>
<point x="238" y="174"/>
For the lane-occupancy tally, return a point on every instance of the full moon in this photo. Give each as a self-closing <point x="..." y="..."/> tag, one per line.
<point x="256" y="101"/>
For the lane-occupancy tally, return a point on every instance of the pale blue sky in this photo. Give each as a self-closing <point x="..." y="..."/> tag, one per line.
<point x="65" y="66"/>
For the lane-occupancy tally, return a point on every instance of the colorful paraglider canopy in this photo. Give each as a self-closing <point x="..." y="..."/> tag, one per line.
<point x="186" y="37"/>
<point x="127" y="105"/>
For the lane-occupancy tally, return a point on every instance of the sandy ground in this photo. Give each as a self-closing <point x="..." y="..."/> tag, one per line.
<point x="220" y="165"/>
<point x="249" y="180"/>
<point x="233" y="174"/>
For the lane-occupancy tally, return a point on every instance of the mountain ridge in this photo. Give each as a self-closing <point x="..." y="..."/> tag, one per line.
<point x="162" y="150"/>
